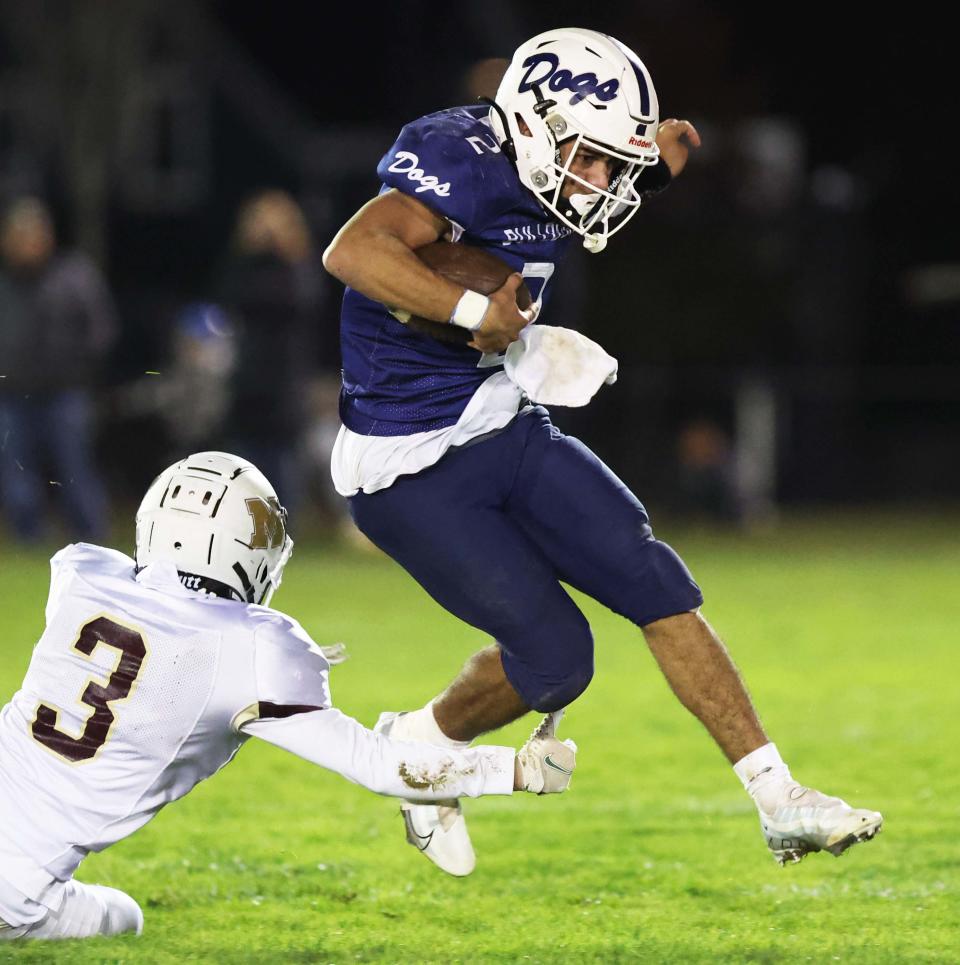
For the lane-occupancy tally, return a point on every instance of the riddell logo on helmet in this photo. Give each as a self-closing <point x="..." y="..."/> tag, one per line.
<point x="640" y="142"/>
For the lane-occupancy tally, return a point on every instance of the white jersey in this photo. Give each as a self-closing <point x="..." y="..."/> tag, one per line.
<point x="140" y="688"/>
<point x="372" y="463"/>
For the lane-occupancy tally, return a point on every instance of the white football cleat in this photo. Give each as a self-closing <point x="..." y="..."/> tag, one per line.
<point x="804" y="820"/>
<point x="546" y="764"/>
<point x="438" y="831"/>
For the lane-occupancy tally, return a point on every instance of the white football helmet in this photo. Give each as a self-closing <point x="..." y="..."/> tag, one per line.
<point x="218" y="519"/>
<point x="572" y="84"/>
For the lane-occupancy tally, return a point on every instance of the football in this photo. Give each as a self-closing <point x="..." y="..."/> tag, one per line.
<point x="471" y="267"/>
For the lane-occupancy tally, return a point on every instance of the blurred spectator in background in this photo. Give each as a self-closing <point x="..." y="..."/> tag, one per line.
<point x="57" y="321"/>
<point x="705" y="481"/>
<point x="271" y="286"/>
<point x="190" y="397"/>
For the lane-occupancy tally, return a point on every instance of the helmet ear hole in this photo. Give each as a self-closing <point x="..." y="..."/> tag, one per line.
<point x="178" y="545"/>
<point x="522" y="126"/>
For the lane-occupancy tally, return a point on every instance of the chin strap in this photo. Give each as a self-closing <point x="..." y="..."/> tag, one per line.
<point x="506" y="145"/>
<point x="543" y="104"/>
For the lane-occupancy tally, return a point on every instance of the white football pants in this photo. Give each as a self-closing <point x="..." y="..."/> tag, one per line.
<point x="87" y="912"/>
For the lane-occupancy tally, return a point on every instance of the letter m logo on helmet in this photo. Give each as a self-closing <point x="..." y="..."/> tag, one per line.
<point x="269" y="529"/>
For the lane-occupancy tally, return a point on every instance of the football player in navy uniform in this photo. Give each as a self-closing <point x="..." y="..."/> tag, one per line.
<point x="450" y="470"/>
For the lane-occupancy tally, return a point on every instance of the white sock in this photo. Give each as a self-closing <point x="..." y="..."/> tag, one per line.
<point x="763" y="774"/>
<point x="421" y="725"/>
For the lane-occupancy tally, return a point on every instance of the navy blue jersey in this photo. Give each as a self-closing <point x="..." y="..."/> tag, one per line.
<point x="397" y="381"/>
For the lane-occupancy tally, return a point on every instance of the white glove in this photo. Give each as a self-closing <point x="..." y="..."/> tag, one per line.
<point x="558" y="366"/>
<point x="547" y="764"/>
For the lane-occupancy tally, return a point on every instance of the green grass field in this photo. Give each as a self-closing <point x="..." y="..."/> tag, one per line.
<point x="847" y="631"/>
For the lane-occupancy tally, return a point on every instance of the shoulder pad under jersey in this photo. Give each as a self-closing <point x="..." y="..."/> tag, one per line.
<point x="290" y="668"/>
<point x="452" y="163"/>
<point x="90" y="562"/>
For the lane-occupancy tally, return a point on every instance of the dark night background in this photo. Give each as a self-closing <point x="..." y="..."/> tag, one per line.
<point x="825" y="273"/>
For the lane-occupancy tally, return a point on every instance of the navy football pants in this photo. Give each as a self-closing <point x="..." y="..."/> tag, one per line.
<point x="492" y="528"/>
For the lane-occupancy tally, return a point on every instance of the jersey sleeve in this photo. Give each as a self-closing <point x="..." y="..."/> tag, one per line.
<point x="433" y="162"/>
<point x="292" y="674"/>
<point x="91" y="562"/>
<point x="415" y="771"/>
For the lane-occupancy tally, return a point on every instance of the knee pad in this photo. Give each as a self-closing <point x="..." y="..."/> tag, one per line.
<point x="660" y="586"/>
<point x="554" y="674"/>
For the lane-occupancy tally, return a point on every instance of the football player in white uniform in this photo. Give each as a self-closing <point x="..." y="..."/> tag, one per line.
<point x="150" y="676"/>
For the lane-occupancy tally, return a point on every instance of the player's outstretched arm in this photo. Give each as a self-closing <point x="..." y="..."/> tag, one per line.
<point x="415" y="771"/>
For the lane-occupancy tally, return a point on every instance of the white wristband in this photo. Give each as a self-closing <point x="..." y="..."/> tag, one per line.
<point x="470" y="310"/>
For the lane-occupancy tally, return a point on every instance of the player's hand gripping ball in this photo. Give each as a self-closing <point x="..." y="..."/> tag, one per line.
<point x="470" y="267"/>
